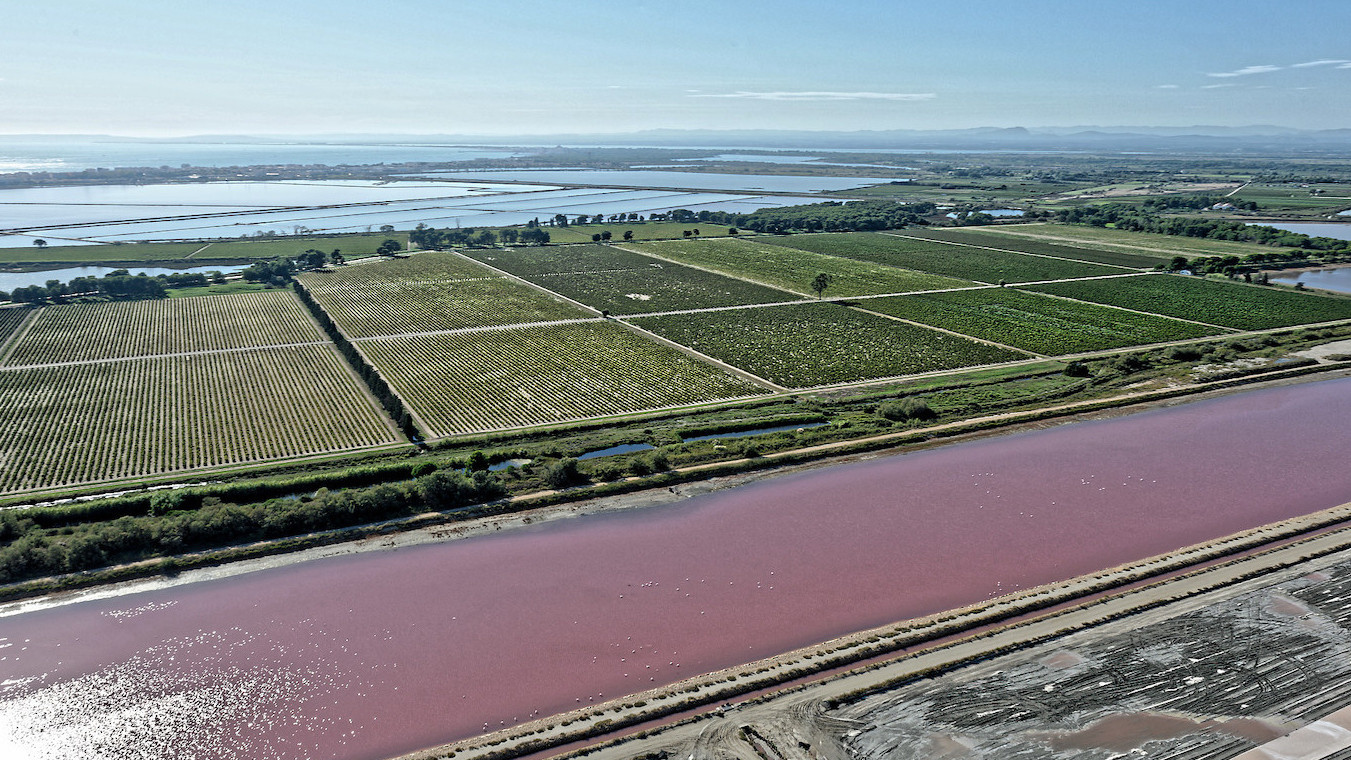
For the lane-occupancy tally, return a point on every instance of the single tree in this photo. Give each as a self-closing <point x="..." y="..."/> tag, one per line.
<point x="389" y="247"/>
<point x="820" y="284"/>
<point x="628" y="234"/>
<point x="40" y="243"/>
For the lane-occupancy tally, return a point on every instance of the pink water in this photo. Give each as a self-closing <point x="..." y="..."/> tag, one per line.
<point x="371" y="655"/>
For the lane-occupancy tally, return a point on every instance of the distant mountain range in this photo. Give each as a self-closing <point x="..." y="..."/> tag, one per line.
<point x="1208" y="139"/>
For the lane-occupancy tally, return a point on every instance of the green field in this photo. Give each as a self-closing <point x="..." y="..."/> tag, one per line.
<point x="119" y="329"/>
<point x="352" y="246"/>
<point x="62" y="255"/>
<point x="1035" y="322"/>
<point x="188" y="254"/>
<point x="991" y="237"/>
<point x="1244" y="307"/>
<point x="804" y="345"/>
<point x="490" y="379"/>
<point x="1146" y="243"/>
<point x="623" y="282"/>
<point x="229" y="288"/>
<point x="794" y="269"/>
<point x="1296" y="197"/>
<point x="102" y="421"/>
<point x="428" y="292"/>
<point x="976" y="264"/>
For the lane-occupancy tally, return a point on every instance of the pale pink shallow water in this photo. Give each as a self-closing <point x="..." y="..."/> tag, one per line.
<point x="368" y="656"/>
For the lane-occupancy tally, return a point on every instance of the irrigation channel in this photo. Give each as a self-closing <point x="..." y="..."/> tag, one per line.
<point x="373" y="654"/>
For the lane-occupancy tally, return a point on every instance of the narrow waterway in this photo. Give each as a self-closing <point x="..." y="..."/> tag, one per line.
<point x="371" y="655"/>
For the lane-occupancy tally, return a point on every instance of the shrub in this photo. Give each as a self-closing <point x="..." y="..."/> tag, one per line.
<point x="563" y="473"/>
<point x="1183" y="354"/>
<point x="659" y="462"/>
<point x="478" y="461"/>
<point x="908" y="408"/>
<point x="1076" y="369"/>
<point x="607" y="472"/>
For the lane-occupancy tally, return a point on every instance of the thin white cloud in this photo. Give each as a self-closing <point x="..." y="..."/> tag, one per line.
<point x="1166" y="87"/>
<point x="1216" y="86"/>
<point x="1246" y="70"/>
<point x="1323" y="62"/>
<point x="1345" y="66"/>
<point x="823" y="95"/>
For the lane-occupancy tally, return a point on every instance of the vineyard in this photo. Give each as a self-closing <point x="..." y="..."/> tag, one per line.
<point x="10" y="319"/>
<point x="527" y="262"/>
<point x="491" y="379"/>
<point x="1245" y="307"/>
<point x="428" y="292"/>
<point x="1036" y="323"/>
<point x="805" y="345"/>
<point x="1017" y="243"/>
<point x="1147" y="243"/>
<point x="119" y="329"/>
<point x="978" y="264"/>
<point x="793" y="269"/>
<point x="664" y="287"/>
<point x="103" y="421"/>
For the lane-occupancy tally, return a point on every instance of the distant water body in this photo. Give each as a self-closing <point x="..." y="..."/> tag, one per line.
<point x="1337" y="279"/>
<point x="20" y="155"/>
<point x="1338" y="230"/>
<point x="74" y="156"/>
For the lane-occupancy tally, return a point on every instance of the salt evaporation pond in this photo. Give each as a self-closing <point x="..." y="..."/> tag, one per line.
<point x="370" y="655"/>
<point x="20" y="155"/>
<point x="756" y="183"/>
<point x="226" y="210"/>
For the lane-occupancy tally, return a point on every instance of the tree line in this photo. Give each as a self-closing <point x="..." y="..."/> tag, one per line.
<point x="1131" y="218"/>
<point x="369" y="375"/>
<point x="179" y="521"/>
<point x="431" y="238"/>
<point x="117" y="285"/>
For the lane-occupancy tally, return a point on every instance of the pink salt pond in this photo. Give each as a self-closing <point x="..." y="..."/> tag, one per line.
<point x="372" y="655"/>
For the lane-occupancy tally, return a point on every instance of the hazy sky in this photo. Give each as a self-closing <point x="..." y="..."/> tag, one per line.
<point x="175" y="67"/>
